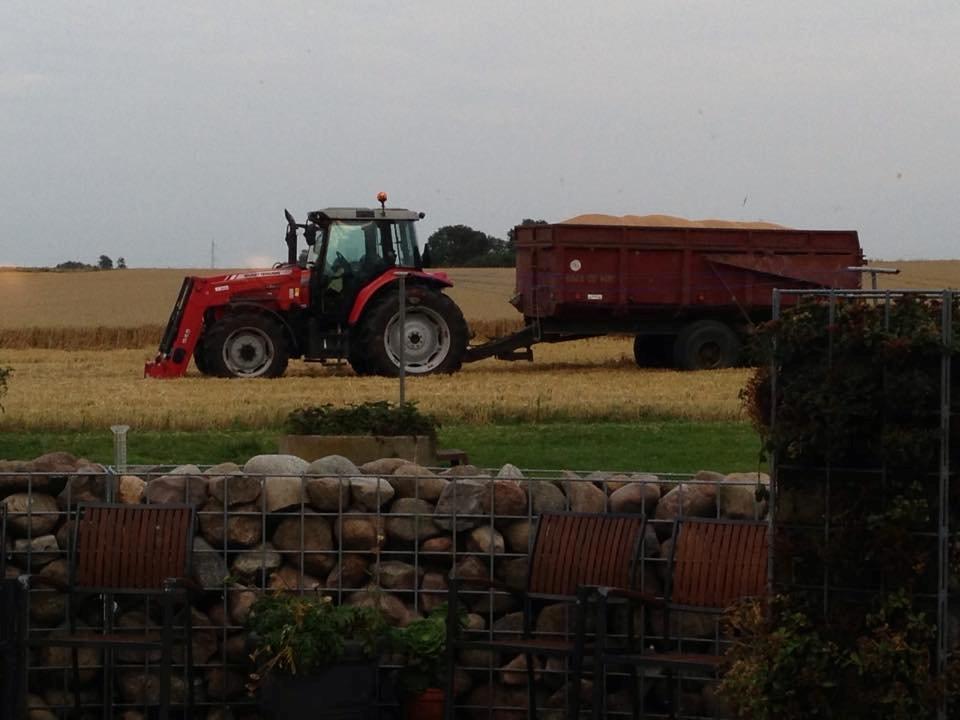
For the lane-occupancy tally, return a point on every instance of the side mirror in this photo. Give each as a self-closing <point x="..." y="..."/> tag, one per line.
<point x="310" y="234"/>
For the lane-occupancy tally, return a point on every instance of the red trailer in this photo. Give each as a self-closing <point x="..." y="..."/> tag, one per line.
<point x="689" y="294"/>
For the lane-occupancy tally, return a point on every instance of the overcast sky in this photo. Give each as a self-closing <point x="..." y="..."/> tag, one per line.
<point x="149" y="129"/>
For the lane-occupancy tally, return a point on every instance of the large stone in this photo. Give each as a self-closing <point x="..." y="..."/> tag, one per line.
<point x="289" y="578"/>
<point x="433" y="591"/>
<point x="686" y="500"/>
<point x="383" y="466"/>
<point x="411" y="480"/>
<point x="141" y="688"/>
<point x="37" y="708"/>
<point x="224" y="684"/>
<point x="737" y="496"/>
<point x="332" y="465"/>
<point x="395" y="612"/>
<point x="130" y="489"/>
<point x="227" y="483"/>
<point x="240" y="599"/>
<point x="584" y="496"/>
<point x="88" y="658"/>
<point x="513" y="571"/>
<point x="244" y="524"/>
<point x="462" y="471"/>
<point x="329" y="494"/>
<point x="471" y="567"/>
<point x="498" y="696"/>
<point x="282" y="479"/>
<point x="510" y="472"/>
<point x="505" y="498"/>
<point x="518" y="535"/>
<point x="546" y="497"/>
<point x="185" y="484"/>
<point x="33" y="515"/>
<point x="41" y="550"/>
<point x="313" y="536"/>
<point x="485" y="540"/>
<point x="361" y="533"/>
<point x="370" y="493"/>
<point x="556" y="619"/>
<point x="395" y="575"/>
<point x="460" y="506"/>
<point x="18" y="475"/>
<point x="250" y="565"/>
<point x="442" y="545"/>
<point x="88" y="483"/>
<point x="209" y="567"/>
<point x="352" y="572"/>
<point x="411" y="519"/>
<point x="515" y="671"/>
<point x="635" y="497"/>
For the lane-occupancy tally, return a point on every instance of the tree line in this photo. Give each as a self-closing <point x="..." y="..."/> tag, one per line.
<point x="105" y="262"/>
<point x="462" y="246"/>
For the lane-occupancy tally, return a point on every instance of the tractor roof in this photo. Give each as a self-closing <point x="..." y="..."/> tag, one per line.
<point x="357" y="213"/>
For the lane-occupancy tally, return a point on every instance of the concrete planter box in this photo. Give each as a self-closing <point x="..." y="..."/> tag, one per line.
<point x="421" y="449"/>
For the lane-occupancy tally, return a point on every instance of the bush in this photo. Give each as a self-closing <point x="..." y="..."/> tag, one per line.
<point x="374" y="418"/>
<point x="299" y="634"/>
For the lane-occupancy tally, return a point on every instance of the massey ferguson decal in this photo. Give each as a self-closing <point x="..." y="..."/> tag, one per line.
<point x="259" y="274"/>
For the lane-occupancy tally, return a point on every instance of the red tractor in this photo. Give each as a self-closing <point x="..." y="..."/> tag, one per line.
<point x="342" y="301"/>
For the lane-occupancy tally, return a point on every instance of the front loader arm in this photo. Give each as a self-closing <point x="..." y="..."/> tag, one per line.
<point x="180" y="337"/>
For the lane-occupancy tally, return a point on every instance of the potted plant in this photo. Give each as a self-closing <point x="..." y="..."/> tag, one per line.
<point x="423" y="644"/>
<point x="362" y="432"/>
<point x="305" y="647"/>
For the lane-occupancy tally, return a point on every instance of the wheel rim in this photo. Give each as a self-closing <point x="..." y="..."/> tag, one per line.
<point x="709" y="355"/>
<point x="426" y="336"/>
<point x="248" y="352"/>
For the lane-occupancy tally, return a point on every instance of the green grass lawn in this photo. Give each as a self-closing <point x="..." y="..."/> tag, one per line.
<point x="667" y="446"/>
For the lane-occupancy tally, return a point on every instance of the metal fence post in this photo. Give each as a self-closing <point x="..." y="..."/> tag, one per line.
<point x="403" y="336"/>
<point x="120" y="447"/>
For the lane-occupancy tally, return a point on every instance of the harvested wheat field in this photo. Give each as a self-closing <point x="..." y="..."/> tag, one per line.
<point x="590" y="379"/>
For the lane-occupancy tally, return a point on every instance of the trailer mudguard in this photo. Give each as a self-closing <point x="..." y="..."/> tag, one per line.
<point x="436" y="279"/>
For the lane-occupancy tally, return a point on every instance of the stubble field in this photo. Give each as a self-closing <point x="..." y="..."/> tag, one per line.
<point x="111" y="322"/>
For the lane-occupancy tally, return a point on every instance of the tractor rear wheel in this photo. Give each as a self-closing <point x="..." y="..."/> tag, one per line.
<point x="434" y="336"/>
<point x="246" y="345"/>
<point x="706" y="345"/>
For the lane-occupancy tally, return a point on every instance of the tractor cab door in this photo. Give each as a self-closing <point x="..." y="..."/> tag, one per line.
<point x="352" y="254"/>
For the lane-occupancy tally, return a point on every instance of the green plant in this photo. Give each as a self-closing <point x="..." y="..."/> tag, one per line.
<point x="786" y="664"/>
<point x="371" y="418"/>
<point x="299" y="634"/>
<point x="423" y="643"/>
<point x="5" y="373"/>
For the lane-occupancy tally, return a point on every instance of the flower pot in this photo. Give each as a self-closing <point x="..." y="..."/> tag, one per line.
<point x="345" y="691"/>
<point x="428" y="705"/>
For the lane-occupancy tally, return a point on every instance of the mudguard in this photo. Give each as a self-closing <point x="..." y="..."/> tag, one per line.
<point x="437" y="280"/>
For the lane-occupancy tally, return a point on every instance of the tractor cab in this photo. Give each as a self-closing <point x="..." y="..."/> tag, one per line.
<point x="348" y="248"/>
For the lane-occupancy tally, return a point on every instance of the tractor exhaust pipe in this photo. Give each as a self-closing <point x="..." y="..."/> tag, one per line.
<point x="291" y="238"/>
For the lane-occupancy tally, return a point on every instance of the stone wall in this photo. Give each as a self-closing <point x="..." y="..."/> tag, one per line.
<point x="386" y="533"/>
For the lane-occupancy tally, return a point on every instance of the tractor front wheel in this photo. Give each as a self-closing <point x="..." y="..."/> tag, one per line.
<point x="434" y="336"/>
<point x="246" y="345"/>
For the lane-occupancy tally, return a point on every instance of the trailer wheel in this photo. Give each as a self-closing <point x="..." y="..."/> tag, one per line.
<point x="435" y="335"/>
<point x="706" y="345"/>
<point x="653" y="351"/>
<point x="247" y="345"/>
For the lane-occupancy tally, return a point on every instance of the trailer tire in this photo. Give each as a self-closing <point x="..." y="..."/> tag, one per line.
<point x="707" y="345"/>
<point x="653" y="351"/>
<point x="247" y="345"/>
<point x="436" y="336"/>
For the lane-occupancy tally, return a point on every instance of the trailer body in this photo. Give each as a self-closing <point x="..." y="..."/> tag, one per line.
<point x="666" y="284"/>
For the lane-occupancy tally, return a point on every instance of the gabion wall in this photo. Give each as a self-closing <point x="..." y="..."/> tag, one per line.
<point x="387" y="533"/>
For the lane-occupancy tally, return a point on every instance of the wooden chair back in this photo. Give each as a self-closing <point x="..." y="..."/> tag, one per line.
<point x="124" y="548"/>
<point x="717" y="562"/>
<point x="573" y="549"/>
